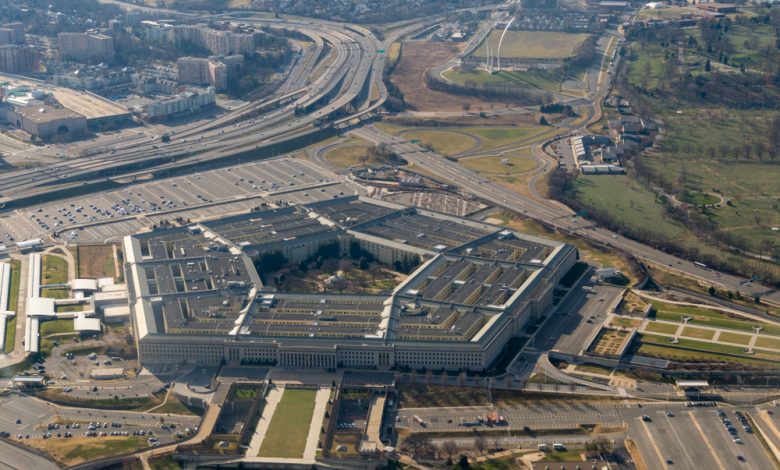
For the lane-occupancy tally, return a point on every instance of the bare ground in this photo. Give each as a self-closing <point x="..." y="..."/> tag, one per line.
<point x="409" y="77"/>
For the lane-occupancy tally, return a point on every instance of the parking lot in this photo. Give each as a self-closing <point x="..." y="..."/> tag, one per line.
<point x="25" y="415"/>
<point x="109" y="215"/>
<point x="696" y="439"/>
<point x="536" y="416"/>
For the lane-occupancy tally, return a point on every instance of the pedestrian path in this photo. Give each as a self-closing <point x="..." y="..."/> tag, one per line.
<point x="271" y="400"/>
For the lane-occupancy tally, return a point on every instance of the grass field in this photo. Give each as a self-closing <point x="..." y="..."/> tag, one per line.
<point x="665" y="328"/>
<point x="547" y="80"/>
<point x="13" y="305"/>
<point x="707" y="317"/>
<point x="729" y="337"/>
<point x="492" y="137"/>
<point x="349" y="155"/>
<point x="51" y="327"/>
<point x="516" y="162"/>
<point x="54" y="270"/>
<point x="714" y="146"/>
<point x="764" y="342"/>
<point x="80" y="449"/>
<point x="711" y="348"/>
<point x="443" y="142"/>
<point x="55" y="293"/>
<point x="95" y="261"/>
<point x="173" y="406"/>
<point x="289" y="427"/>
<point x="533" y="44"/>
<point x="698" y="333"/>
<point x="10" y="334"/>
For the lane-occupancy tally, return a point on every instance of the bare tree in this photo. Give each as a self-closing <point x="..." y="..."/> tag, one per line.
<point x="480" y="444"/>
<point x="450" y="448"/>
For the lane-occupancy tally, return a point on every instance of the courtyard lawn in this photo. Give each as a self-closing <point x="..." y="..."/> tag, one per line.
<point x="289" y="427"/>
<point x="54" y="270"/>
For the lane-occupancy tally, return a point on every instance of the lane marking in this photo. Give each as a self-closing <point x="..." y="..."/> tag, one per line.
<point x="680" y="441"/>
<point x="653" y="444"/>
<point x="706" y="440"/>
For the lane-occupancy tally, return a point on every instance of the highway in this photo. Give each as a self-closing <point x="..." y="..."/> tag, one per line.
<point x="330" y="84"/>
<point x="322" y="85"/>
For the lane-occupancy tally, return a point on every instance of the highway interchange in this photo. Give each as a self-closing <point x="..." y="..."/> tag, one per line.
<point x="340" y="83"/>
<point x="327" y="87"/>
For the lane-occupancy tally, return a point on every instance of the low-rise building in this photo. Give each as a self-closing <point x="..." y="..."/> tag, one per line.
<point x="189" y="101"/>
<point x="45" y="121"/>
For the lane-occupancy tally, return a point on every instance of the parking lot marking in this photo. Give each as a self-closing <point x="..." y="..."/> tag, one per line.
<point x="653" y="443"/>
<point x="706" y="441"/>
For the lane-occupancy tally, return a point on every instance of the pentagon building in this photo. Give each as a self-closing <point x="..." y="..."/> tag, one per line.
<point x="197" y="297"/>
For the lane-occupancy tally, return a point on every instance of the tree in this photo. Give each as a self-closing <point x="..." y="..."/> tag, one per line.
<point x="711" y="291"/>
<point x="463" y="462"/>
<point x="418" y="445"/>
<point x="480" y="444"/>
<point x="708" y="66"/>
<point x="466" y="107"/>
<point x="543" y="121"/>
<point x="450" y="448"/>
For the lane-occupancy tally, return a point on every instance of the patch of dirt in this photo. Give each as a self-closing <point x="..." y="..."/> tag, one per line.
<point x="409" y="77"/>
<point x="95" y="261"/>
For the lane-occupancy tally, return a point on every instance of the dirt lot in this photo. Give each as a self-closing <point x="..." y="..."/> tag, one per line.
<point x="95" y="261"/>
<point x="416" y="58"/>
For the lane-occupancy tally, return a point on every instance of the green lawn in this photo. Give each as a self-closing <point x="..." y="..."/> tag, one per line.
<point x="54" y="270"/>
<point x="707" y="347"/>
<point x="666" y="328"/>
<point x="698" y="333"/>
<point x="715" y="143"/>
<point x="80" y="449"/>
<point x="55" y="293"/>
<point x="729" y="337"/>
<point x="10" y="334"/>
<point x="764" y="342"/>
<point x="533" y="44"/>
<point x="667" y="352"/>
<point x="492" y="137"/>
<point x="444" y="142"/>
<point x="706" y="317"/>
<point x="547" y="79"/>
<point x="51" y="327"/>
<point x="13" y="291"/>
<point x="514" y="163"/>
<point x="13" y="305"/>
<point x="289" y="427"/>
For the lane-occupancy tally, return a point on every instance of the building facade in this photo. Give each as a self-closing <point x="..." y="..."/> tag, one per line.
<point x="86" y="47"/>
<point x="18" y="59"/>
<point x="196" y="297"/>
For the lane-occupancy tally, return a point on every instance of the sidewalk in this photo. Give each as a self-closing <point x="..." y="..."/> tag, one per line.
<point x="274" y="395"/>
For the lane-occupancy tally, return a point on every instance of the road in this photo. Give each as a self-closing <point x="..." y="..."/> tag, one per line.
<point x="553" y="213"/>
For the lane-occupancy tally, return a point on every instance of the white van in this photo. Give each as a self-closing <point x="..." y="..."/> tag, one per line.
<point x="559" y="447"/>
